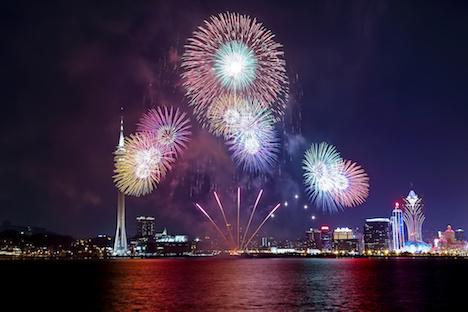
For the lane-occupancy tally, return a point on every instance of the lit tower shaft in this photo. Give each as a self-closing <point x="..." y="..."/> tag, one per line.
<point x="397" y="228"/>
<point x="120" y="243"/>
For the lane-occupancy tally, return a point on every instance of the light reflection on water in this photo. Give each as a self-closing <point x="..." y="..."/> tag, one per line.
<point x="282" y="284"/>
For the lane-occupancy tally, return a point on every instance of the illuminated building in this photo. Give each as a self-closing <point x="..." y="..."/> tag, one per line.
<point x="326" y="237"/>
<point x="344" y="240"/>
<point x="449" y="242"/>
<point x="120" y="243"/>
<point x="343" y="233"/>
<point x="398" y="237"/>
<point x="376" y="234"/>
<point x="145" y="227"/>
<point x="460" y="235"/>
<point x="413" y="216"/>
<point x="449" y="235"/>
<point x="314" y="239"/>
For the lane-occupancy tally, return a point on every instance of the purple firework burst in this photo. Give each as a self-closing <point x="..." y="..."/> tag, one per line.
<point x="170" y="127"/>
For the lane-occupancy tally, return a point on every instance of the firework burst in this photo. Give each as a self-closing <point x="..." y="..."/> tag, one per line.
<point x="231" y="115"/>
<point x="352" y="184"/>
<point x="333" y="183"/>
<point x="253" y="140"/>
<point x="170" y="127"/>
<point x="233" y="54"/>
<point x="321" y="165"/>
<point x="141" y="165"/>
<point x="255" y="151"/>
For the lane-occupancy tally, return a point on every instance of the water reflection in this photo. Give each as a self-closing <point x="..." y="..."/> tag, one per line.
<point x="276" y="284"/>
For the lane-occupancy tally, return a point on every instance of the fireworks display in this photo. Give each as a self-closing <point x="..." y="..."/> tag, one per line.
<point x="234" y="54"/>
<point x="236" y="81"/>
<point x="145" y="157"/>
<point x="320" y="164"/>
<point x="236" y="244"/>
<point x="170" y="127"/>
<point x="254" y="144"/>
<point x="141" y="165"/>
<point x="352" y="184"/>
<point x="333" y="183"/>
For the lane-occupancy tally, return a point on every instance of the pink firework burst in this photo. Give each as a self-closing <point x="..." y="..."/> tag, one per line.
<point x="233" y="54"/>
<point x="170" y="127"/>
<point x="351" y="184"/>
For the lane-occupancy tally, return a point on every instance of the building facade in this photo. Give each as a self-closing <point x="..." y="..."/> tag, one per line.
<point x="398" y="237"/>
<point x="413" y="216"/>
<point x="327" y="237"/>
<point x="145" y="227"/>
<point x="377" y="234"/>
<point x="345" y="241"/>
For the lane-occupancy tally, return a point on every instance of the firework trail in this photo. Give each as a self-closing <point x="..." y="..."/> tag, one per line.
<point x="261" y="224"/>
<point x="170" y="127"/>
<point x="321" y="164"/>
<point x="233" y="54"/>
<point x="239" y="246"/>
<point x="141" y="165"/>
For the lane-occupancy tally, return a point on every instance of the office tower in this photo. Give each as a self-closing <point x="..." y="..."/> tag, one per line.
<point x="145" y="227"/>
<point x="376" y="234"/>
<point x="398" y="237"/>
<point x="326" y="236"/>
<point x="460" y="235"/>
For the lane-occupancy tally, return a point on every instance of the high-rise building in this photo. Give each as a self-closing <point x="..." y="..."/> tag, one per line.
<point x="344" y="240"/>
<point x="460" y="235"/>
<point x="327" y="237"/>
<point x="413" y="216"/>
<point x="314" y="239"/>
<point x="398" y="237"/>
<point x="145" y="227"/>
<point x="376" y="234"/>
<point x="120" y="243"/>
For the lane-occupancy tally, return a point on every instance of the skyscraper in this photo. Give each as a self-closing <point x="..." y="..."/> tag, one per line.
<point x="327" y="237"/>
<point x="460" y="235"/>
<point x="413" y="216"/>
<point x="120" y="243"/>
<point x="397" y="228"/>
<point x="145" y="227"/>
<point x="376" y="234"/>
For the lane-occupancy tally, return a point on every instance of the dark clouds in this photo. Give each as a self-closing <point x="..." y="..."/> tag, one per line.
<point x="383" y="81"/>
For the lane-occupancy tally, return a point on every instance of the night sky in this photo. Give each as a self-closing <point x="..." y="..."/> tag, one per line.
<point x="383" y="81"/>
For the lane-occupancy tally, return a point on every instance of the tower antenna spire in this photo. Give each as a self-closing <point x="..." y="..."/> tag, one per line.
<point x="121" y="136"/>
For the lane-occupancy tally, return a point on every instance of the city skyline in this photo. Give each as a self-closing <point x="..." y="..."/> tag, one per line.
<point x="382" y="82"/>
